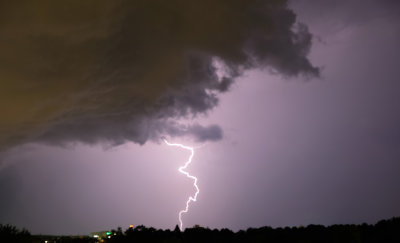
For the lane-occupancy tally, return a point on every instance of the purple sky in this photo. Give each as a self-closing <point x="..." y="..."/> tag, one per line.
<point x="294" y="152"/>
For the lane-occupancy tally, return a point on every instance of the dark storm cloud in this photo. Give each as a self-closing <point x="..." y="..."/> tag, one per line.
<point x="201" y="133"/>
<point x="116" y="71"/>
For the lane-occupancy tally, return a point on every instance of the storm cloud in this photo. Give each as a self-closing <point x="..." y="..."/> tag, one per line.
<point x="117" y="71"/>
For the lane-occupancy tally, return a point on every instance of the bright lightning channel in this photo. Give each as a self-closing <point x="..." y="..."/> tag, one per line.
<point x="182" y="170"/>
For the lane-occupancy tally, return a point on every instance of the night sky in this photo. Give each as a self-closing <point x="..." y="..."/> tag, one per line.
<point x="293" y="109"/>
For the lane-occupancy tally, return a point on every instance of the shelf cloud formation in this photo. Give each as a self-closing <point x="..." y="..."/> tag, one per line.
<point x="117" y="71"/>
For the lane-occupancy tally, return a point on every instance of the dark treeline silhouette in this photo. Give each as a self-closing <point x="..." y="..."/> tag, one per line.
<point x="9" y="233"/>
<point x="383" y="231"/>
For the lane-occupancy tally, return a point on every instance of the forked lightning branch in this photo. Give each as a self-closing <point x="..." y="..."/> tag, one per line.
<point x="182" y="170"/>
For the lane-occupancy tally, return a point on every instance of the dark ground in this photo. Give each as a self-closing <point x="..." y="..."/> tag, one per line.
<point x="383" y="231"/>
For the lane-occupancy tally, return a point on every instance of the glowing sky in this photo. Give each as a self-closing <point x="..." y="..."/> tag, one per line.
<point x="278" y="149"/>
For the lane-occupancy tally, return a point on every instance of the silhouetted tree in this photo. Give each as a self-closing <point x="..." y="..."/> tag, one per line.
<point x="383" y="231"/>
<point x="9" y="233"/>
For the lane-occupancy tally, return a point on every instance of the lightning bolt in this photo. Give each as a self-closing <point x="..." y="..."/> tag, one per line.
<point x="182" y="170"/>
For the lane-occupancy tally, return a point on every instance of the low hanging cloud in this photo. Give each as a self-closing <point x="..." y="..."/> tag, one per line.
<point x="117" y="71"/>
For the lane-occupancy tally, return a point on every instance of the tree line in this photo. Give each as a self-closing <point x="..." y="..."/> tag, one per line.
<point x="383" y="231"/>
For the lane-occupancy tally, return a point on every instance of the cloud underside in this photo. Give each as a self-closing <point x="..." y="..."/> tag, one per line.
<point x="117" y="71"/>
